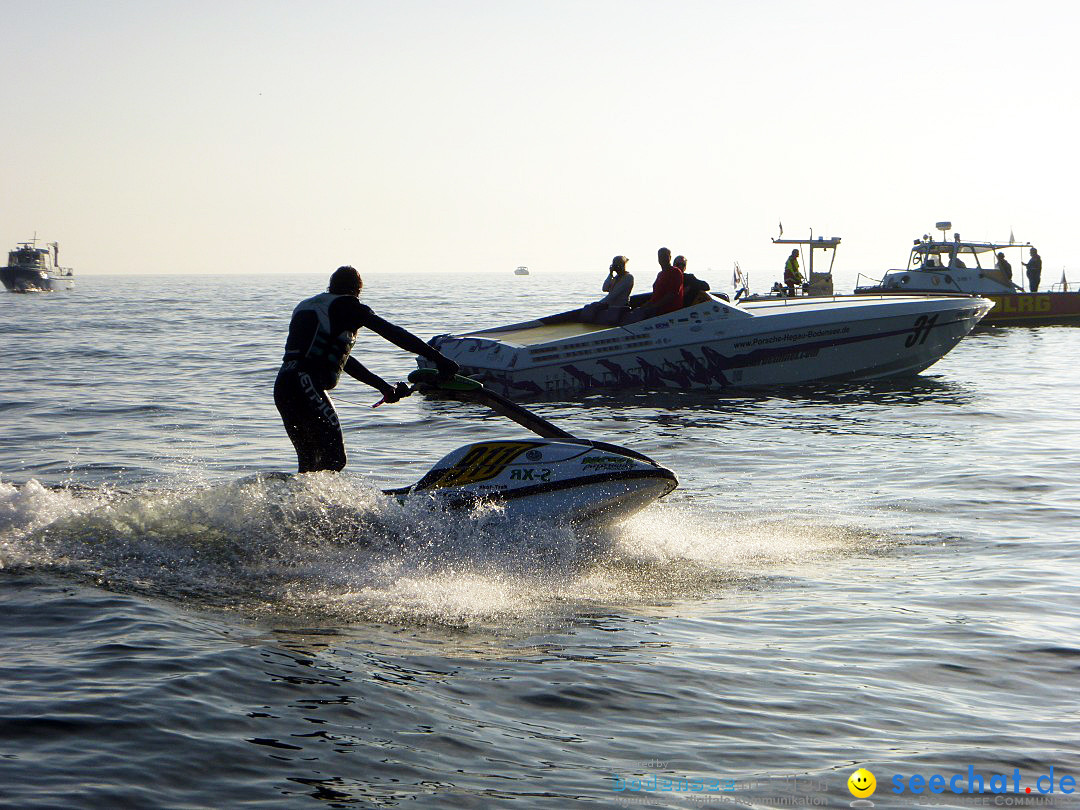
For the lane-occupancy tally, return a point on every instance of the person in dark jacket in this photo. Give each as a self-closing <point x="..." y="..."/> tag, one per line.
<point x="321" y="336"/>
<point x="1004" y="266"/>
<point x="694" y="288"/>
<point x="1034" y="270"/>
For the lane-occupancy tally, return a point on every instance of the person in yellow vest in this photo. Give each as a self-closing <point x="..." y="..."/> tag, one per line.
<point x="792" y="276"/>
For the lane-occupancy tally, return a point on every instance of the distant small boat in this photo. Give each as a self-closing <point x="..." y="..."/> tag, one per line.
<point x="522" y="271"/>
<point x="35" y="269"/>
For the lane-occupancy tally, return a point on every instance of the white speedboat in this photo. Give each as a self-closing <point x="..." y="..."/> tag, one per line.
<point x="35" y="269"/>
<point x="949" y="266"/>
<point x="716" y="345"/>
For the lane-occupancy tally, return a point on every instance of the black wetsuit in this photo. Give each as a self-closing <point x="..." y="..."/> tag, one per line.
<point x="321" y="335"/>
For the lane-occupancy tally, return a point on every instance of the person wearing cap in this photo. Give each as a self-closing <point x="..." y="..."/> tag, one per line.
<point x="616" y="304"/>
<point x="792" y="276"/>
<point x="1004" y="266"/>
<point x="1034" y="270"/>
<point x="322" y="332"/>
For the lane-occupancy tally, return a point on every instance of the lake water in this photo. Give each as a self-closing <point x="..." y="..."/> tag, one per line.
<point x="879" y="576"/>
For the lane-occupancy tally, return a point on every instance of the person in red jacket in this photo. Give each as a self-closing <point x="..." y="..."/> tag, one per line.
<point x="667" y="290"/>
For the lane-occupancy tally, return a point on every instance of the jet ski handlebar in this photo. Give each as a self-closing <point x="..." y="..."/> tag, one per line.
<point x="465" y="389"/>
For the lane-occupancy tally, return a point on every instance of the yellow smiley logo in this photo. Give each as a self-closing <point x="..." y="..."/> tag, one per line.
<point x="862" y="783"/>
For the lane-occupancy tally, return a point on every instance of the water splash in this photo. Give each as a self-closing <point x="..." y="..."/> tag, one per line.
<point x="335" y="547"/>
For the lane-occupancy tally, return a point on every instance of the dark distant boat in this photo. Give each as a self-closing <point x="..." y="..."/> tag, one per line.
<point x="35" y="269"/>
<point x="522" y="271"/>
<point x="955" y="266"/>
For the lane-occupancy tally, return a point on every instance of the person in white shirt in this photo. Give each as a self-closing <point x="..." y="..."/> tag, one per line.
<point x="616" y="304"/>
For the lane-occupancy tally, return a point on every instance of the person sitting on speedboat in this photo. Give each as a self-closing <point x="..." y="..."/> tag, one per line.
<point x="695" y="290"/>
<point x="615" y="306"/>
<point x="667" y="294"/>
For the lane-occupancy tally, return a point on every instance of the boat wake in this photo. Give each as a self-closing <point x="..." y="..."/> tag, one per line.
<point x="333" y="547"/>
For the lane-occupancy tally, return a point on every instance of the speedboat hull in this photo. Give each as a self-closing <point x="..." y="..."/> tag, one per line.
<point x="578" y="482"/>
<point x="715" y="345"/>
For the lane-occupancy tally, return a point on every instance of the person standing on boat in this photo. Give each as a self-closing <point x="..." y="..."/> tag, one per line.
<point x="1004" y="266"/>
<point x="1034" y="270"/>
<point x="321" y="336"/>
<point x="614" y="306"/>
<point x="792" y="276"/>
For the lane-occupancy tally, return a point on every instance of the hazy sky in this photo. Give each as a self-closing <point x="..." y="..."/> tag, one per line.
<point x="277" y="136"/>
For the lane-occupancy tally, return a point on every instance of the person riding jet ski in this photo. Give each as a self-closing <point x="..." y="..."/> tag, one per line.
<point x="321" y="336"/>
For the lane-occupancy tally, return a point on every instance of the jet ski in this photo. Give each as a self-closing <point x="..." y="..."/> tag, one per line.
<point x="557" y="476"/>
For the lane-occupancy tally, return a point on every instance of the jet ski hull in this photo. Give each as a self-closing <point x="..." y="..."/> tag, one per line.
<point x="577" y="482"/>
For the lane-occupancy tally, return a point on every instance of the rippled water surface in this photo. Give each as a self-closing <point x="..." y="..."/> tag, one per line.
<point x="879" y="576"/>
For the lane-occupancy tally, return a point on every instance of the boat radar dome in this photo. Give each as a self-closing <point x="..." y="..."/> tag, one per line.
<point x="943" y="226"/>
